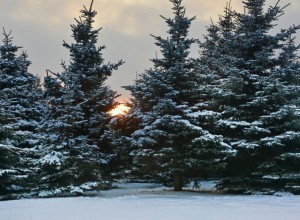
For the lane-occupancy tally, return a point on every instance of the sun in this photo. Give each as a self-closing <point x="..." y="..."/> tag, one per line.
<point x="120" y="109"/>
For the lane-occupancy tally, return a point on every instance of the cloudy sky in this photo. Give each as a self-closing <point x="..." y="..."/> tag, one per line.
<point x="40" y="26"/>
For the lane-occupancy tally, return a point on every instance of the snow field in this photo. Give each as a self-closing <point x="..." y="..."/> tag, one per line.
<point x="155" y="206"/>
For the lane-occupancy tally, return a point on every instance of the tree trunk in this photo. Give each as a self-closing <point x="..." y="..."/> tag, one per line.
<point x="178" y="181"/>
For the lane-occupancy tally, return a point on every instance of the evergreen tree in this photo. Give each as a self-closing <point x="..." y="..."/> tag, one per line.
<point x="118" y="136"/>
<point x="168" y="144"/>
<point x="79" y="102"/>
<point x="9" y="155"/>
<point x="213" y="68"/>
<point x="21" y="111"/>
<point x="251" y="92"/>
<point x="279" y="152"/>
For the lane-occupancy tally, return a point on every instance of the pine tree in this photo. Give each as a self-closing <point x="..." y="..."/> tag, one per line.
<point x="279" y="166"/>
<point x="213" y="67"/>
<point x="168" y="144"/>
<point x="251" y="94"/>
<point x="21" y="109"/>
<point x="9" y="155"/>
<point x="78" y="112"/>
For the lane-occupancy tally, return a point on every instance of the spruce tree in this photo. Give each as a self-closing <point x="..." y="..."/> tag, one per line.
<point x="21" y="110"/>
<point x="9" y="155"/>
<point x="213" y="68"/>
<point x="79" y="102"/>
<point x="252" y="94"/>
<point x="279" y="152"/>
<point x="168" y="145"/>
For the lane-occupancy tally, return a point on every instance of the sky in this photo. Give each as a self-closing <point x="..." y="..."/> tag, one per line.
<point x="40" y="26"/>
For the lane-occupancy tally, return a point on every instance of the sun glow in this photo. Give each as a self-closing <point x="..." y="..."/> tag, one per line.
<point x="120" y="109"/>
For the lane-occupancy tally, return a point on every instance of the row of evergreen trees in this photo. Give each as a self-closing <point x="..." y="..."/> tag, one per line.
<point x="232" y="114"/>
<point x="51" y="136"/>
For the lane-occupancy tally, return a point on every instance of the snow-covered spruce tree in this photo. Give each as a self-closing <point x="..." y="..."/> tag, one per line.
<point x="169" y="146"/>
<point x="9" y="155"/>
<point x="21" y="111"/>
<point x="213" y="66"/>
<point x="79" y="102"/>
<point x="279" y="152"/>
<point x="254" y="97"/>
<point x="118" y="136"/>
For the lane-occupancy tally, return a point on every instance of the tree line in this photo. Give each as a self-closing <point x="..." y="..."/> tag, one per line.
<point x="231" y="114"/>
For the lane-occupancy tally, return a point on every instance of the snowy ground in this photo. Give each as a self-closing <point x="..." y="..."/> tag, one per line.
<point x="148" y="202"/>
